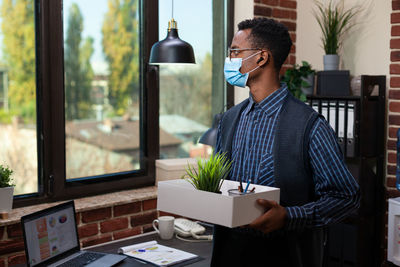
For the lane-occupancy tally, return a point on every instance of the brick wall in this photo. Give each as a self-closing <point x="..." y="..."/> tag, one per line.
<point x="393" y="99"/>
<point x="94" y="227"/>
<point x="393" y="121"/>
<point x="284" y="11"/>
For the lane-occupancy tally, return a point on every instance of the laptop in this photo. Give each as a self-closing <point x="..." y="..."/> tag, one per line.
<point x="51" y="239"/>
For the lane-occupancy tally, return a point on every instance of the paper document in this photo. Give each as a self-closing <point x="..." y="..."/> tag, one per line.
<point x="156" y="254"/>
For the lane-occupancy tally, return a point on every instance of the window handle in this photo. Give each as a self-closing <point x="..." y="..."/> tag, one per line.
<point x="50" y="187"/>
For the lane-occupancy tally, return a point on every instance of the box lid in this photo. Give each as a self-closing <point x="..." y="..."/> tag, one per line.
<point x="395" y="201"/>
<point x="175" y="164"/>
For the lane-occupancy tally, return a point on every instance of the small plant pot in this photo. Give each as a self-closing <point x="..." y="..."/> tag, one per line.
<point x="310" y="80"/>
<point x="6" y="199"/>
<point x="331" y="62"/>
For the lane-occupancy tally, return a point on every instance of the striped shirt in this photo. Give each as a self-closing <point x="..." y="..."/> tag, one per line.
<point x="252" y="158"/>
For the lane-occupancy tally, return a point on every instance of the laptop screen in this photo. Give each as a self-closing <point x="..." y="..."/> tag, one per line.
<point x="49" y="233"/>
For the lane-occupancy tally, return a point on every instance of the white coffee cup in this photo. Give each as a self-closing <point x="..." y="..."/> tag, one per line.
<point x="165" y="226"/>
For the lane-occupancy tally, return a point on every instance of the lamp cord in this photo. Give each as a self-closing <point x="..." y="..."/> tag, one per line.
<point x="172" y="8"/>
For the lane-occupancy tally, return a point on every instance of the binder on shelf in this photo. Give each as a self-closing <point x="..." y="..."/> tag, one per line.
<point x="314" y="105"/>
<point x="351" y="151"/>
<point x="341" y="124"/>
<point x="325" y="110"/>
<point x="334" y="113"/>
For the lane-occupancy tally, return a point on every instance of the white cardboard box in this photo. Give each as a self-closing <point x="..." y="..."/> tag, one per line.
<point x="167" y="169"/>
<point x="393" y="245"/>
<point x="181" y="198"/>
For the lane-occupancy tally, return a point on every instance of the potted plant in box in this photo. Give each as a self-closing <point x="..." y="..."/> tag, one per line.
<point x="6" y="190"/>
<point x="334" y="22"/>
<point x="210" y="174"/>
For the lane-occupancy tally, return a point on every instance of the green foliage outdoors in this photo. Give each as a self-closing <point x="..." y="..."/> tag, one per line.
<point x="121" y="49"/>
<point x="78" y="70"/>
<point x="18" y="45"/>
<point x="6" y="116"/>
<point x="5" y="177"/>
<point x="187" y="92"/>
<point x="334" y="22"/>
<point x="210" y="174"/>
<point x="120" y="46"/>
<point x="294" y="79"/>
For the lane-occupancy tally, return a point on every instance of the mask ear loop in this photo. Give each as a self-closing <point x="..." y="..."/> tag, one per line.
<point x="251" y="56"/>
<point x="253" y="69"/>
<point x="257" y="60"/>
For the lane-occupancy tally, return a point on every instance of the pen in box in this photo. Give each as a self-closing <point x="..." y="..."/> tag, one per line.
<point x="247" y="186"/>
<point x="241" y="185"/>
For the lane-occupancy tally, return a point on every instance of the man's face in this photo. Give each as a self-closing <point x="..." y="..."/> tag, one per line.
<point x="241" y="41"/>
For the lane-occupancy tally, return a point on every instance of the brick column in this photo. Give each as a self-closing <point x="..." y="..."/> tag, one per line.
<point x="284" y="11"/>
<point x="394" y="99"/>
<point x="393" y="120"/>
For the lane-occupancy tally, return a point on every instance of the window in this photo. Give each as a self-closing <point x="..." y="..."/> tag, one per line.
<point x="89" y="95"/>
<point x="84" y="91"/>
<point x="191" y="94"/>
<point x="18" y="131"/>
<point x="101" y="65"/>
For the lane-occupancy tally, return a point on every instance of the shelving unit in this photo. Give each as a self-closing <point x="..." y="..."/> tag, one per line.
<point x="357" y="241"/>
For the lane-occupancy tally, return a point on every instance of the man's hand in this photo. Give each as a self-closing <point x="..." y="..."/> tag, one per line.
<point x="273" y="219"/>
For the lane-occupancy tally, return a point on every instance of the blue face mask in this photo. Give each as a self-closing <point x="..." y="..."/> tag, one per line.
<point x="232" y="71"/>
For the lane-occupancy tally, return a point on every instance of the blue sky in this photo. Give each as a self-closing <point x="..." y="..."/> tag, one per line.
<point x="194" y="20"/>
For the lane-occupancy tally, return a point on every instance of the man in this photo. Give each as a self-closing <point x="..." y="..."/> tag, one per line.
<point x="274" y="139"/>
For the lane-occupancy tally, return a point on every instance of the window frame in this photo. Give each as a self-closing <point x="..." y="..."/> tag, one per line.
<point x="52" y="183"/>
<point x="50" y="111"/>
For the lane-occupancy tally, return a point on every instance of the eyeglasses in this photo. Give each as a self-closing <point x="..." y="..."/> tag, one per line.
<point x="236" y="51"/>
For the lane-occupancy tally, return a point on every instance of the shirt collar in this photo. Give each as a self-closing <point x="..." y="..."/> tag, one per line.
<point x="271" y="103"/>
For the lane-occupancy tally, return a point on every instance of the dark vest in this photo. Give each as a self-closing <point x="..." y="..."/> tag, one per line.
<point x="294" y="178"/>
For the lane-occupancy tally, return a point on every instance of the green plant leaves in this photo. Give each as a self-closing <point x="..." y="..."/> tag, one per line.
<point x="334" y="21"/>
<point x="294" y="79"/>
<point x="210" y="174"/>
<point x="5" y="177"/>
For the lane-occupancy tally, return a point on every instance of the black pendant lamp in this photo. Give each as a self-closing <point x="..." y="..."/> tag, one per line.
<point x="172" y="50"/>
<point x="210" y="136"/>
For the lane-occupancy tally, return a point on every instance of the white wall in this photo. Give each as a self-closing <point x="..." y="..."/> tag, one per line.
<point x="243" y="10"/>
<point x="365" y="50"/>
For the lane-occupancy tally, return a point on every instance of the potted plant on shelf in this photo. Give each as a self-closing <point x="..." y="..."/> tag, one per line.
<point x="210" y="173"/>
<point x="300" y="80"/>
<point x="334" y="22"/>
<point x="6" y="191"/>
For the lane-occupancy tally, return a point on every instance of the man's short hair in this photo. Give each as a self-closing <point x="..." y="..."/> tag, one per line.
<point x="271" y="35"/>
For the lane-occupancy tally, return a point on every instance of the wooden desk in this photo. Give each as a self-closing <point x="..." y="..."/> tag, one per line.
<point x="203" y="249"/>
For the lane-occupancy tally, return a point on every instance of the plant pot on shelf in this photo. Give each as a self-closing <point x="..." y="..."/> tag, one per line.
<point x="310" y="89"/>
<point x="331" y="62"/>
<point x="6" y="199"/>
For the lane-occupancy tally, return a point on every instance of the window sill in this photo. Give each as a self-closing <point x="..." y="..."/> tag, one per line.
<point x="88" y="203"/>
